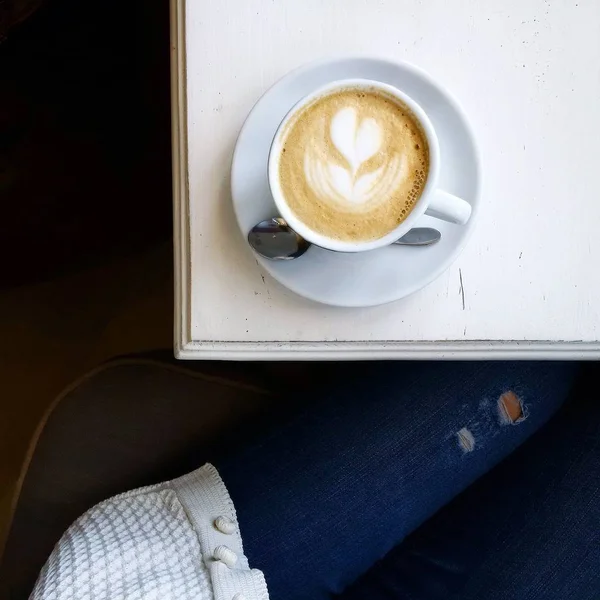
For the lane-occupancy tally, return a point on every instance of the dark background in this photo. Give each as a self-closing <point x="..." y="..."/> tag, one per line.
<point x="85" y="202"/>
<point x="85" y="155"/>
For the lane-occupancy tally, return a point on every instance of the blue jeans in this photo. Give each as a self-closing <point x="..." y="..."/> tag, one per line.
<point x="342" y="485"/>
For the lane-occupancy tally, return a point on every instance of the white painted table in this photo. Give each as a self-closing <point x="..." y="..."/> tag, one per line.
<point x="528" y="75"/>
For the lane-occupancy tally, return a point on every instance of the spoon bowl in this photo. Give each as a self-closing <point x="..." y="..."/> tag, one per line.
<point x="276" y="240"/>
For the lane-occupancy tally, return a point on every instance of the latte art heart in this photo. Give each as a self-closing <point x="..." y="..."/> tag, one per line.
<point x="357" y="143"/>
<point x="353" y="164"/>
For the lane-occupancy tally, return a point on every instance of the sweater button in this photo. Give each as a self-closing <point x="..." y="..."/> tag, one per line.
<point x="224" y="525"/>
<point x="226" y="555"/>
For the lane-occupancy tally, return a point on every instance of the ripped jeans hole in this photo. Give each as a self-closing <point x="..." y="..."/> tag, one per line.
<point x="510" y="409"/>
<point x="466" y="441"/>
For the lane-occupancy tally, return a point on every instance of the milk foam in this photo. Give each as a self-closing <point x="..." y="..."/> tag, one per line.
<point x="357" y="142"/>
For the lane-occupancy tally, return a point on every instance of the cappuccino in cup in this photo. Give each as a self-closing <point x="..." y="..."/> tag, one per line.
<point x="355" y="164"/>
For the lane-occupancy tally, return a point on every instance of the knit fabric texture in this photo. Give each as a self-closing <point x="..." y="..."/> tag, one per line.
<point x="146" y="544"/>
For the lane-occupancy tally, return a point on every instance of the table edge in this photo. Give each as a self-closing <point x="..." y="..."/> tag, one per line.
<point x="180" y="187"/>
<point x="445" y="350"/>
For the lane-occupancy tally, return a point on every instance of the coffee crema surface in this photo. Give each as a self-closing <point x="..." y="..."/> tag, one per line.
<point x="352" y="164"/>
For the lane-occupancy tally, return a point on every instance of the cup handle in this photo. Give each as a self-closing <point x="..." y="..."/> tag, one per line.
<point x="447" y="207"/>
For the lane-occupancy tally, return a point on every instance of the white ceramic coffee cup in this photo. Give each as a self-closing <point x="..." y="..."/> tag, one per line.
<point x="433" y="200"/>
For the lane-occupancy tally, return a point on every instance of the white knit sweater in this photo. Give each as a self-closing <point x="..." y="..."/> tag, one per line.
<point x="177" y="540"/>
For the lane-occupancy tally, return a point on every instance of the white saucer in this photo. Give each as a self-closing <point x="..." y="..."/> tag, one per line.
<point x="378" y="276"/>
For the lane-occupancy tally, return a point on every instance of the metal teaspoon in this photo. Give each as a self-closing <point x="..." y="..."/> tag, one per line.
<point x="276" y="240"/>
